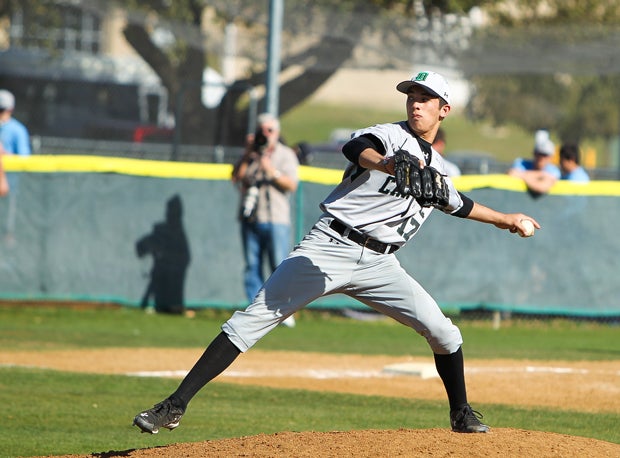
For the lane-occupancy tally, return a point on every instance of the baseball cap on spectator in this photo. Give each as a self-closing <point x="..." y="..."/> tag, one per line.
<point x="7" y="100"/>
<point x="433" y="82"/>
<point x="543" y="144"/>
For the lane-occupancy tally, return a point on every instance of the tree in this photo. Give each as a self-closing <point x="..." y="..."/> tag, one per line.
<point x="549" y="64"/>
<point x="191" y="24"/>
<point x="535" y="64"/>
<point x="319" y="36"/>
<point x="180" y="66"/>
<point x="331" y="29"/>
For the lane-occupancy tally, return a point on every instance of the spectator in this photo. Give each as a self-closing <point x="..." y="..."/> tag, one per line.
<point x="539" y="174"/>
<point x="569" y="164"/>
<point x="14" y="136"/>
<point x="266" y="175"/>
<point x="14" y="139"/>
<point x="439" y="145"/>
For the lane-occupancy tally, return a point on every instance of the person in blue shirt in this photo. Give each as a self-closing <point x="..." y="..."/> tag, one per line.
<point x="539" y="173"/>
<point x="569" y="164"/>
<point x="14" y="135"/>
<point x="14" y="139"/>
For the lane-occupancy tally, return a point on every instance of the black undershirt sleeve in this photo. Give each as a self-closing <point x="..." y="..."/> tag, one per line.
<point x="465" y="210"/>
<point x="353" y="148"/>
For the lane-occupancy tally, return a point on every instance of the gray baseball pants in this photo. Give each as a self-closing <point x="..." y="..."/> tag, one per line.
<point x="325" y="263"/>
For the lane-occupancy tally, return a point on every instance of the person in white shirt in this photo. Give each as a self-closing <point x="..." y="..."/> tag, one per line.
<point x="439" y="145"/>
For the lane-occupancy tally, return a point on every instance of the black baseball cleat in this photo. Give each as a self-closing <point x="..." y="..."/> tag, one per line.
<point x="162" y="415"/>
<point x="467" y="420"/>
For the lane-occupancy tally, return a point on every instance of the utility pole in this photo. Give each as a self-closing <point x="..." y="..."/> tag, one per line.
<point x="276" y="12"/>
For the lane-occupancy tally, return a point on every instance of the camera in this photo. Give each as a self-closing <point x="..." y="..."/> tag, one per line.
<point x="248" y="211"/>
<point x="260" y="140"/>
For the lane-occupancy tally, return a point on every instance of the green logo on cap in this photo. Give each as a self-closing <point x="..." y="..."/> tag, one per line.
<point x="421" y="76"/>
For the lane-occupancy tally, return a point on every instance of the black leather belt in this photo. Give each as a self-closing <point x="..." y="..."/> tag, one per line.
<point x="361" y="239"/>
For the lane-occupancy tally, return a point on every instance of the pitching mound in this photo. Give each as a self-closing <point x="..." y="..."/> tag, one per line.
<point x="404" y="443"/>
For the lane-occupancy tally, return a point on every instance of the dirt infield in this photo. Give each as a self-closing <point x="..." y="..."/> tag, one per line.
<point x="585" y="386"/>
<point x="396" y="443"/>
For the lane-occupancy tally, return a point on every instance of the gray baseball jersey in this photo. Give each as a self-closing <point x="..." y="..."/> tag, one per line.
<point x="368" y="201"/>
<point x="350" y="251"/>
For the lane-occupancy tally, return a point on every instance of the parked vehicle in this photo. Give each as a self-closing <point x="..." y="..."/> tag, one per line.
<point x="476" y="162"/>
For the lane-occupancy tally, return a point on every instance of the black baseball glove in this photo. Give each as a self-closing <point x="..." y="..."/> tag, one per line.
<point x="426" y="185"/>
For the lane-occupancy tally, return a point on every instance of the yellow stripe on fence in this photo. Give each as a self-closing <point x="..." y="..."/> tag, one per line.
<point x="124" y="166"/>
<point x="192" y="170"/>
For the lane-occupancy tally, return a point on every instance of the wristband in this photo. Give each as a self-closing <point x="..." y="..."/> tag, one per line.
<point x="385" y="163"/>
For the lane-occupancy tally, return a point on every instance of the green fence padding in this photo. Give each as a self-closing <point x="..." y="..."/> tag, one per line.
<point x="77" y="220"/>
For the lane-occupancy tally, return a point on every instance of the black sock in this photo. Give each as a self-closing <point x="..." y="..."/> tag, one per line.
<point x="451" y="370"/>
<point x="220" y="354"/>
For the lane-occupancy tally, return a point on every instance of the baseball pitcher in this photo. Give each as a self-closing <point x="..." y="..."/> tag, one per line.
<point x="393" y="183"/>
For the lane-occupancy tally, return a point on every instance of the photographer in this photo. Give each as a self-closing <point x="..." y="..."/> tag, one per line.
<point x="265" y="175"/>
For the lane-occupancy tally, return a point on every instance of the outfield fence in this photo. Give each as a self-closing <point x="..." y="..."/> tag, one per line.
<point x="70" y="228"/>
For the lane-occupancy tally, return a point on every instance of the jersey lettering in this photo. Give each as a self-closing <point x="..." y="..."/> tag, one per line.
<point x="389" y="188"/>
<point x="393" y="217"/>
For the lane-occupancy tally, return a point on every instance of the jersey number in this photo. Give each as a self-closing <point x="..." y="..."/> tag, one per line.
<point x="410" y="226"/>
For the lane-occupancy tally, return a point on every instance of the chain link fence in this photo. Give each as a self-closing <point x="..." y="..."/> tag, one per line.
<point x="320" y="38"/>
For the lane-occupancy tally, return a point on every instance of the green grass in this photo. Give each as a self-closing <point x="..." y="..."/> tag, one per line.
<point x="313" y="122"/>
<point x="41" y="328"/>
<point x="50" y="413"/>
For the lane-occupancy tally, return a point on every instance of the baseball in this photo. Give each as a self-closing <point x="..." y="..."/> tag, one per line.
<point x="529" y="228"/>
